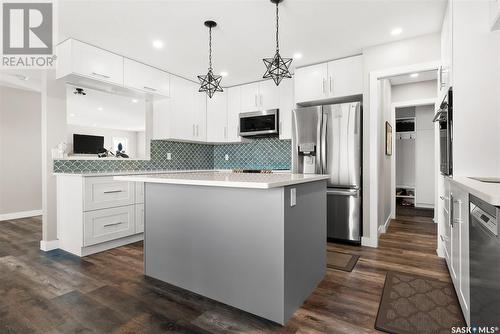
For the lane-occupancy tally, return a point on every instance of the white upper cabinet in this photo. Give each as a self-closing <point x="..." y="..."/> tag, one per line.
<point x="233" y="114"/>
<point x="338" y="78"/>
<point x="286" y="105"/>
<point x="200" y="114"/>
<point x="217" y="130"/>
<point x="345" y="77"/>
<point x="250" y="97"/>
<point x="145" y="78"/>
<point x="310" y="83"/>
<point x="445" y="74"/>
<point x="75" y="57"/>
<point x="269" y="96"/>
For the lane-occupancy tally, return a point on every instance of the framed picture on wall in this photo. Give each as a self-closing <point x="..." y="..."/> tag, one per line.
<point x="388" y="139"/>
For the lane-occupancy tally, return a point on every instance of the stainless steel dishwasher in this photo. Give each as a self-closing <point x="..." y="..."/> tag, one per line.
<point x="484" y="248"/>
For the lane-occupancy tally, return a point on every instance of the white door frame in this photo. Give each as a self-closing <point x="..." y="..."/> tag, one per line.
<point x="372" y="240"/>
<point x="394" y="106"/>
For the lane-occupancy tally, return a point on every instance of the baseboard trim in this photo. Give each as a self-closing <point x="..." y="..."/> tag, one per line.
<point x="369" y="242"/>
<point x="49" y="245"/>
<point x="383" y="228"/>
<point x="20" y="214"/>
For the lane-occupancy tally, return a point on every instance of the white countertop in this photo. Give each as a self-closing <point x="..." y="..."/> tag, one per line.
<point x="227" y="179"/>
<point x="488" y="192"/>
<point x="132" y="172"/>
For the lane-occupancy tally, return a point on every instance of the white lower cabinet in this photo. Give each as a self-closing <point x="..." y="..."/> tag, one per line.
<point x="458" y="260"/>
<point x="139" y="218"/>
<point x="108" y="224"/>
<point x="96" y="213"/>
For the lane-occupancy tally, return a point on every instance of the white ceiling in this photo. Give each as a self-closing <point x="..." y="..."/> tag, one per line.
<point x="319" y="29"/>
<point x="104" y="110"/>
<point x="408" y="78"/>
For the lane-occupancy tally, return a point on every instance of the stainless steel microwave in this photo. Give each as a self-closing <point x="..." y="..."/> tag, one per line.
<point x="263" y="123"/>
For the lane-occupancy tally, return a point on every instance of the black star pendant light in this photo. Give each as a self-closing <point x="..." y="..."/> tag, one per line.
<point x="277" y="67"/>
<point x="210" y="83"/>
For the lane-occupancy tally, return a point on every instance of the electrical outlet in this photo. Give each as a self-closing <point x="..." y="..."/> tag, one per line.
<point x="226" y="157"/>
<point x="169" y="156"/>
<point x="293" y="197"/>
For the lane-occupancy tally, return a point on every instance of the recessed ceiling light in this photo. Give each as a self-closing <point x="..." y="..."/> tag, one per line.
<point x="297" y="55"/>
<point x="414" y="75"/>
<point x="396" y="31"/>
<point x="223" y="74"/>
<point x="135" y="100"/>
<point x="94" y="125"/>
<point x="72" y="115"/>
<point x="99" y="108"/>
<point x="158" y="44"/>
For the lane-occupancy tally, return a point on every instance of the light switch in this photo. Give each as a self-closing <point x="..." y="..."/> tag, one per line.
<point x="293" y="197"/>
<point x="169" y="156"/>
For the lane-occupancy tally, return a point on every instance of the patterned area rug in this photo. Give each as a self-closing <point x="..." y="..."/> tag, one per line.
<point x="341" y="261"/>
<point x="412" y="304"/>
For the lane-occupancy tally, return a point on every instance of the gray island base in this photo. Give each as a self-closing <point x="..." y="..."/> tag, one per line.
<point x="244" y="247"/>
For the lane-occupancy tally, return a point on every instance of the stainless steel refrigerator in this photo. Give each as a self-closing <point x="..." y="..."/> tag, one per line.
<point x="327" y="140"/>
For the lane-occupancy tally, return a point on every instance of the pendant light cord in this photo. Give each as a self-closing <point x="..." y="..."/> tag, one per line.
<point x="277" y="28"/>
<point x="210" y="48"/>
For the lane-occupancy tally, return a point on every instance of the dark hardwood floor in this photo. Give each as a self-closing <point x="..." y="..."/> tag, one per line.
<point x="107" y="293"/>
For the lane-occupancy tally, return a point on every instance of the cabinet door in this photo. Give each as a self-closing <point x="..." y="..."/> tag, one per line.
<point x="162" y="119"/>
<point x="455" y="217"/>
<point x="233" y="114"/>
<point x="96" y="63"/>
<point x="250" y="100"/>
<point x="145" y="78"/>
<point x="462" y="225"/>
<point x="285" y="108"/>
<point x="269" y="94"/>
<point x="108" y="224"/>
<point x="103" y="192"/>
<point x="445" y="73"/>
<point x="345" y="77"/>
<point x="310" y="83"/>
<point x="200" y="115"/>
<point x="217" y="118"/>
<point x="183" y="111"/>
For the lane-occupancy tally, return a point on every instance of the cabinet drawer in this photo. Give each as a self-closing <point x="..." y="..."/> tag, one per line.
<point x="145" y="78"/>
<point x="139" y="218"/>
<point x="139" y="192"/>
<point x="104" y="192"/>
<point x="108" y="224"/>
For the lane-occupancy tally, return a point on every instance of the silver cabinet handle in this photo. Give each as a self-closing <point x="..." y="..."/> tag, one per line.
<point x="324" y="84"/>
<point x="197" y="131"/>
<point x="113" y="191"/>
<point x="225" y="132"/>
<point x="452" y="209"/>
<point x="280" y="128"/>
<point x="113" y="224"/>
<point x="101" y="75"/>
<point x="255" y="100"/>
<point x="324" y="126"/>
<point x="261" y="101"/>
<point x="331" y="89"/>
<point x="194" y="130"/>
<point x="150" y="88"/>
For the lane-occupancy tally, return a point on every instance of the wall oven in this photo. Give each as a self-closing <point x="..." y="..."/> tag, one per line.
<point x="444" y="116"/>
<point x="263" y="123"/>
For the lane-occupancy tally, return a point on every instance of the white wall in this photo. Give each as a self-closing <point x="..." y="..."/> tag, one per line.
<point x="385" y="161"/>
<point x="134" y="141"/>
<point x="405" y="52"/>
<point x="20" y="151"/>
<point x="476" y="89"/>
<point x="414" y="91"/>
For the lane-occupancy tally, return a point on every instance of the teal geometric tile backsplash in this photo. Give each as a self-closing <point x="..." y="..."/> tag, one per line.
<point x="265" y="153"/>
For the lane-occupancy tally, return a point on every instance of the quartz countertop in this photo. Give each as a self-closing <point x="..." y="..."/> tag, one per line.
<point x="488" y="192"/>
<point x="227" y="179"/>
<point x="132" y="172"/>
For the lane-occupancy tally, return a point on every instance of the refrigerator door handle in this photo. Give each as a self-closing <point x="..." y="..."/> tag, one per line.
<point x="343" y="192"/>
<point x="324" y="123"/>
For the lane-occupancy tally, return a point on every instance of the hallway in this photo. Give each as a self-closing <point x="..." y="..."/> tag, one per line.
<point x="107" y="293"/>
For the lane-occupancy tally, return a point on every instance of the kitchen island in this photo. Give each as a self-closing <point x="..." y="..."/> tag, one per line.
<point x="253" y="241"/>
